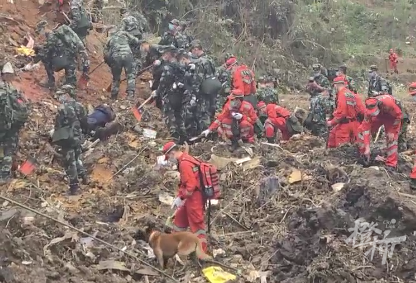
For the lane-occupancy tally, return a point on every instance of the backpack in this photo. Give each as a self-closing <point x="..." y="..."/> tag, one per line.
<point x="13" y="109"/>
<point x="65" y="134"/>
<point x="208" y="176"/>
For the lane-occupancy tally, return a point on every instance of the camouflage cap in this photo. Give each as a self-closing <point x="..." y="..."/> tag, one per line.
<point x="316" y="66"/>
<point x="262" y="79"/>
<point x="373" y="68"/>
<point x="343" y="66"/>
<point x="228" y="56"/>
<point x="169" y="49"/>
<point x="40" y="26"/>
<point x="196" y="44"/>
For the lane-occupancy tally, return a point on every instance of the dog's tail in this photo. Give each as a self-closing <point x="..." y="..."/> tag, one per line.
<point x="200" y="252"/>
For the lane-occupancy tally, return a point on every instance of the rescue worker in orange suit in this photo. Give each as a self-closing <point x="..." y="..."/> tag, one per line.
<point x="346" y="117"/>
<point x="381" y="110"/>
<point x="189" y="203"/>
<point x="243" y="79"/>
<point x="236" y="121"/>
<point x="279" y="118"/>
<point x="412" y="92"/>
<point x="394" y="59"/>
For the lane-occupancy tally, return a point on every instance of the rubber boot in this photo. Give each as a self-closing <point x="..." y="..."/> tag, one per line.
<point x="413" y="184"/>
<point x="234" y="144"/>
<point x="73" y="189"/>
<point x="271" y="140"/>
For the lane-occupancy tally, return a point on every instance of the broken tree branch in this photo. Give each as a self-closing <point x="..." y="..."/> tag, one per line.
<point x="91" y="236"/>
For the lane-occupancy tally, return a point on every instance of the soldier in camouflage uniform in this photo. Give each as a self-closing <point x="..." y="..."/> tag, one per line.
<point x="68" y="135"/>
<point x="118" y="55"/>
<point x="204" y="73"/>
<point x="60" y="52"/>
<point x="80" y="21"/>
<point x="266" y="91"/>
<point x="349" y="82"/>
<point x="224" y="75"/>
<point x="171" y="89"/>
<point x="176" y="36"/>
<point x="320" y="106"/>
<point x="320" y="78"/>
<point x="13" y="115"/>
<point x="376" y="82"/>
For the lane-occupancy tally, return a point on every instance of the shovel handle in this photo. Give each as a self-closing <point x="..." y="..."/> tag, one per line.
<point x="144" y="103"/>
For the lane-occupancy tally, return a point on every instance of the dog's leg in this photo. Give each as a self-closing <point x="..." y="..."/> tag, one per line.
<point x="159" y="255"/>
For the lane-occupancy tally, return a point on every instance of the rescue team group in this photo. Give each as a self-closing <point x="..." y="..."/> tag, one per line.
<point x="197" y="99"/>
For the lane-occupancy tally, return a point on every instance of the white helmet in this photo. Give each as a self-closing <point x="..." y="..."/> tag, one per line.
<point x="7" y="69"/>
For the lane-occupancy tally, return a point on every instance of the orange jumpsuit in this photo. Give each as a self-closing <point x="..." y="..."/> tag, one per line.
<point x="225" y="120"/>
<point x="276" y="120"/>
<point x="244" y="80"/>
<point x="191" y="214"/>
<point x="345" y="121"/>
<point x="386" y="112"/>
<point x="393" y="58"/>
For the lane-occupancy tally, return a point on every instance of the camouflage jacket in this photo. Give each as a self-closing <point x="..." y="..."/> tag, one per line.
<point x="80" y="20"/>
<point x="225" y="77"/>
<point x="179" y="40"/>
<point x="140" y="23"/>
<point x="63" y="42"/>
<point x="170" y="80"/>
<point x="351" y="84"/>
<point x="131" y="25"/>
<point x="71" y="114"/>
<point x="375" y="83"/>
<point x="204" y="69"/>
<point x="120" y="44"/>
<point x="320" y="106"/>
<point x="322" y="81"/>
<point x="267" y="95"/>
<point x="154" y="53"/>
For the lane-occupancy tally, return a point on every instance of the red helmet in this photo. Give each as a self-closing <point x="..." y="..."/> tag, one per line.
<point x="230" y="61"/>
<point x="372" y="105"/>
<point x="237" y="93"/>
<point x="168" y="147"/>
<point x="412" y="89"/>
<point x="339" y="80"/>
<point x="261" y="105"/>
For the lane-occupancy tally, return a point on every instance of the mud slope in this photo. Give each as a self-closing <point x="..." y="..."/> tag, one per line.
<point x="287" y="212"/>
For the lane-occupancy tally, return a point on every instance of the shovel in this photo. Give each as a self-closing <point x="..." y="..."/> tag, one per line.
<point x="31" y="163"/>
<point x="138" y="111"/>
<point x="84" y="79"/>
<point x="108" y="89"/>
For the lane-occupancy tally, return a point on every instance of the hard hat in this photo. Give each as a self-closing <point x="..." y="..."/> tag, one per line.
<point x="339" y="80"/>
<point x="7" y="69"/>
<point x="237" y="93"/>
<point x="261" y="105"/>
<point x="168" y="147"/>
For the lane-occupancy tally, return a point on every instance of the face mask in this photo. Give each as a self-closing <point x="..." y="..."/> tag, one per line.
<point x="171" y="27"/>
<point x="235" y="104"/>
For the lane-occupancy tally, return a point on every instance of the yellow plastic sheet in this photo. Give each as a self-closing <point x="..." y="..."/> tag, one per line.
<point x="216" y="274"/>
<point x="22" y="50"/>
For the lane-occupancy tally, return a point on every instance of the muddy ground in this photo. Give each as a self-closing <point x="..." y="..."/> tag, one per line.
<point x="287" y="213"/>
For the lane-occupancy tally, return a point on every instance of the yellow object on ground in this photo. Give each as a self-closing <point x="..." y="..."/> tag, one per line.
<point x="22" y="50"/>
<point x="216" y="274"/>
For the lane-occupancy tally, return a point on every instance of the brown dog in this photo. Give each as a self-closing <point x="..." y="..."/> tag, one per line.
<point x="166" y="246"/>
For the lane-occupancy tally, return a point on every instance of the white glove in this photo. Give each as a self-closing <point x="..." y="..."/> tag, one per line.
<point x="237" y="116"/>
<point x="177" y="203"/>
<point x="180" y="85"/>
<point x="192" y="102"/>
<point x="153" y="94"/>
<point x="174" y="86"/>
<point x="206" y="132"/>
<point x="192" y="66"/>
<point x="157" y="63"/>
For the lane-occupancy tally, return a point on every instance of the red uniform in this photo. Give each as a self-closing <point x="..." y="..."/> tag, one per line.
<point x="244" y="80"/>
<point x="225" y="120"/>
<point x="276" y="120"/>
<point x="394" y="59"/>
<point x="345" y="121"/>
<point x="191" y="214"/>
<point x="381" y="110"/>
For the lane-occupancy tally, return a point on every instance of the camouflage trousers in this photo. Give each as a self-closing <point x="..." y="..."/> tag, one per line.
<point x="205" y="112"/>
<point x="189" y="114"/>
<point x="8" y="147"/>
<point x="252" y="99"/>
<point x="403" y="136"/>
<point x="117" y="64"/>
<point x="70" y="73"/>
<point x="73" y="166"/>
<point x="173" y="120"/>
<point x="319" y="129"/>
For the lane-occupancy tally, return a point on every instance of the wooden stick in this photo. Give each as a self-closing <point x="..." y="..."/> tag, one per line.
<point x="378" y="134"/>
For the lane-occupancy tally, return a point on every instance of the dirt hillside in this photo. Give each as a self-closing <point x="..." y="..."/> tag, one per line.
<point x="286" y="215"/>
